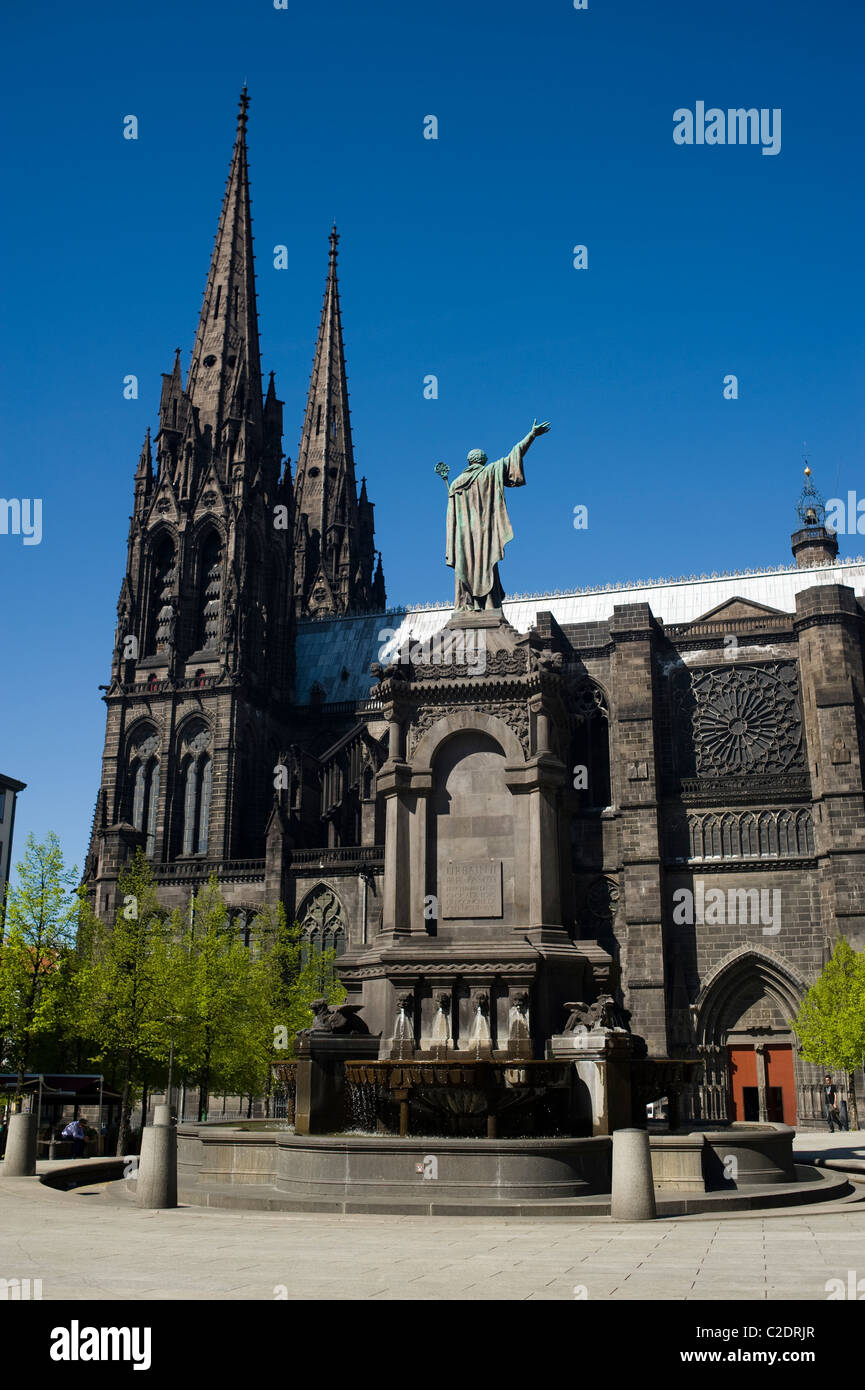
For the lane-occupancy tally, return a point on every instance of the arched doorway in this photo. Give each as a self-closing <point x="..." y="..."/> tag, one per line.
<point x="746" y="1042"/>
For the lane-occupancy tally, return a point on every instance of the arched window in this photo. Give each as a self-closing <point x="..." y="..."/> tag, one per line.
<point x="786" y="834"/>
<point x="748" y="827"/>
<point x="805" y="832"/>
<point x="209" y="592"/>
<point x="144" y="779"/>
<point x="591" y="748"/>
<point x="196" y="782"/>
<point x="712" y="838"/>
<point x="695" y="830"/>
<point x="768" y="836"/>
<point x="730" y="838"/>
<point x="161" y="615"/>
<point x="323" y="928"/>
<point x="256" y="635"/>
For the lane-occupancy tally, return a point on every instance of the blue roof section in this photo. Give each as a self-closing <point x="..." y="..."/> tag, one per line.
<point x="327" y="648"/>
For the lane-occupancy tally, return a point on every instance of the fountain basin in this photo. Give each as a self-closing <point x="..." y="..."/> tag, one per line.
<point x="380" y="1168"/>
<point x="383" y="1168"/>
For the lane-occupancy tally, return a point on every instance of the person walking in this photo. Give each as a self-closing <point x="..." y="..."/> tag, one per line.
<point x="830" y="1104"/>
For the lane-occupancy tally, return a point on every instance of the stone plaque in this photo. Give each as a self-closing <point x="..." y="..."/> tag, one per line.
<point x="472" y="889"/>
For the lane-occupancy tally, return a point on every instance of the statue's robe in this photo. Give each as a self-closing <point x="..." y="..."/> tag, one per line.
<point x="479" y="528"/>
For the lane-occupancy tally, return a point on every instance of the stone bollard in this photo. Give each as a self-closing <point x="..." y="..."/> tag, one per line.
<point x="633" y="1192"/>
<point x="20" y="1160"/>
<point x="156" y="1186"/>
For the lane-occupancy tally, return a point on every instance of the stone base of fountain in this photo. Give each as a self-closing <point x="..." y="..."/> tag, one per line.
<point x="259" y="1169"/>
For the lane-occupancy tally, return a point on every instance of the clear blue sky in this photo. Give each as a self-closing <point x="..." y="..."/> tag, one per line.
<point x="555" y="128"/>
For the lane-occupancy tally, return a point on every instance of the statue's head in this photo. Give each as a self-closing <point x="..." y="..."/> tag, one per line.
<point x="476" y="456"/>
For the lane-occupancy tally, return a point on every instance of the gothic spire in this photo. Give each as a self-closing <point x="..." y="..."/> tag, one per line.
<point x="224" y="379"/>
<point x="144" y="470"/>
<point x="324" y="475"/>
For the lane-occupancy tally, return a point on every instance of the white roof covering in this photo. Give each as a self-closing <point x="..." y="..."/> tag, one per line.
<point x="332" y="646"/>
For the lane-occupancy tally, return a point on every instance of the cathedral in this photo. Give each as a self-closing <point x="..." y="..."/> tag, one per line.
<point x="652" y="790"/>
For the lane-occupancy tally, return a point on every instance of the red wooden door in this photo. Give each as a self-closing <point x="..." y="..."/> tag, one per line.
<point x="743" y="1073"/>
<point x="779" y="1065"/>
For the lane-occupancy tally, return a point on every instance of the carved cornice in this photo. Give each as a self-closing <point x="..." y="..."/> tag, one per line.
<point x="418" y="970"/>
<point x="839" y="616"/>
<point x="748" y="790"/>
<point x="735" y="866"/>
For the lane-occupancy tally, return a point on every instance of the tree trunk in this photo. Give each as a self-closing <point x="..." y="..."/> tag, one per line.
<point x="203" y="1092"/>
<point x="125" y="1127"/>
<point x="853" y="1109"/>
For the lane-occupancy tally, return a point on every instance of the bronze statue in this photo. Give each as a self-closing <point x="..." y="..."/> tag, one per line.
<point x="478" y="525"/>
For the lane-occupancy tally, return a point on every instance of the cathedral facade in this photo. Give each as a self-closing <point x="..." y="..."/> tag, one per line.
<point x="650" y="790"/>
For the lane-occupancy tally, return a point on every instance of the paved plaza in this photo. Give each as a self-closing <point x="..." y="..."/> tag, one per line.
<point x="83" y="1246"/>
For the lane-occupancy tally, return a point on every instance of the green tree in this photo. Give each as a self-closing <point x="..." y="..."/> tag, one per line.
<point x="37" y="951"/>
<point x="830" y="1024"/>
<point x="288" y="978"/>
<point x="125" y="982"/>
<point x="216" y="1000"/>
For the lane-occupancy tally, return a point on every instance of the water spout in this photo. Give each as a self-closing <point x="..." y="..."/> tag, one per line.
<point x="439" y="1034"/>
<point x="402" y="1036"/>
<point x="479" y="1037"/>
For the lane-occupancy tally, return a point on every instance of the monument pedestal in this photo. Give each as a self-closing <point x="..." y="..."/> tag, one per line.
<point x="320" y="1101"/>
<point x="602" y="1082"/>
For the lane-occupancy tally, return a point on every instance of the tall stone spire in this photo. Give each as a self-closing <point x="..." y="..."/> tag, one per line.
<point x="334" y="547"/>
<point x="224" y="381"/>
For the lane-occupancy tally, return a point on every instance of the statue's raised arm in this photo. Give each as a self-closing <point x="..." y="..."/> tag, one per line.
<point x="534" y="432"/>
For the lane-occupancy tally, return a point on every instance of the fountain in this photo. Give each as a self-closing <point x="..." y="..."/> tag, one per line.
<point x="479" y="1129"/>
<point x="457" y="1077"/>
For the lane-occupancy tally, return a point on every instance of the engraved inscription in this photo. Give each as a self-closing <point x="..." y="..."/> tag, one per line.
<point x="472" y="889"/>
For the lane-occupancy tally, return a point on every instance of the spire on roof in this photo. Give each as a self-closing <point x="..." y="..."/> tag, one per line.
<point x="324" y="473"/>
<point x="814" y="543"/>
<point x="145" y="459"/>
<point x="224" y="379"/>
<point x="329" y="516"/>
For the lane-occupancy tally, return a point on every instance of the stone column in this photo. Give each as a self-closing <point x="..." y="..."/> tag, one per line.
<point x="20" y="1160"/>
<point x="633" y="1192"/>
<point x="762" y="1082"/>
<point x="421" y="790"/>
<point x="540" y="781"/>
<point x="393" y="781"/>
<point x="829" y="629"/>
<point x="156" y="1185"/>
<point x="635" y="789"/>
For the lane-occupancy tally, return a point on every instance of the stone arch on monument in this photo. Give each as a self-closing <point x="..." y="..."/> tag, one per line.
<point x="467" y="721"/>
